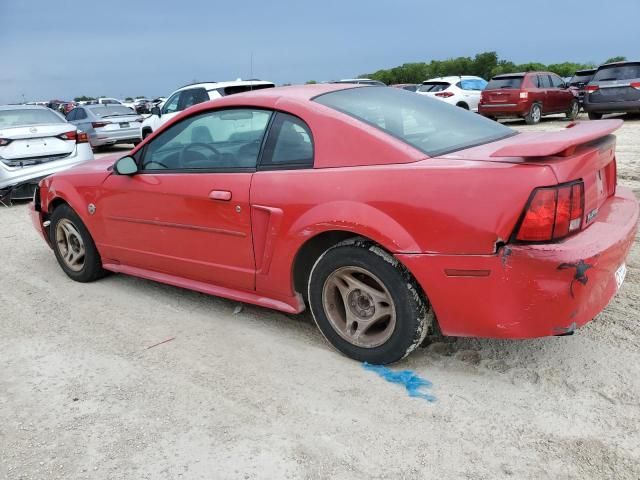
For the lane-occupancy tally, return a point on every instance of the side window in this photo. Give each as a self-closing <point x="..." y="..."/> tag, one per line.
<point x="71" y="116"/>
<point x="171" y="106"/>
<point x="544" y="81"/>
<point x="556" y="81"/>
<point x="212" y="141"/>
<point x="192" y="97"/>
<point x="80" y="114"/>
<point x="289" y="145"/>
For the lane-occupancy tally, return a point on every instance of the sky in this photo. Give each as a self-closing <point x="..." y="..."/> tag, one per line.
<point x="118" y="48"/>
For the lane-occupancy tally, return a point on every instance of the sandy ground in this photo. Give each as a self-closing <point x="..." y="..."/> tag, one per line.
<point x="258" y="394"/>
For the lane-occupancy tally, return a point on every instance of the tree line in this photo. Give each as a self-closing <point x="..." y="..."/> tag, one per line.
<point x="485" y="65"/>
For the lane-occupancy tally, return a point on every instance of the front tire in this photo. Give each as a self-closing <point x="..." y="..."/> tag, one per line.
<point x="595" y="116"/>
<point x="574" y="109"/>
<point x="366" y="304"/>
<point x="535" y="114"/>
<point x="73" y="246"/>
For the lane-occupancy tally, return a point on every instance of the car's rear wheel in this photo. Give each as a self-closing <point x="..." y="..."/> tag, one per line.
<point x="535" y="114"/>
<point x="366" y="303"/>
<point x="574" y="109"/>
<point x="595" y="116"/>
<point x="73" y="246"/>
<point x="462" y="105"/>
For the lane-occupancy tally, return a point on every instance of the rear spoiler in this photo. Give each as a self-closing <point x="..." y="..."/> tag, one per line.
<point x="562" y="143"/>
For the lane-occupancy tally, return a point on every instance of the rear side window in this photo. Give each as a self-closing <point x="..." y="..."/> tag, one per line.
<point x="505" y="82"/>
<point x="191" y="97"/>
<point x="629" y="71"/>
<point x="556" y="81"/>
<point x="289" y="144"/>
<point x="432" y="126"/>
<point x="80" y="114"/>
<point x="71" y="116"/>
<point x="433" y="87"/>
<point x="472" y="84"/>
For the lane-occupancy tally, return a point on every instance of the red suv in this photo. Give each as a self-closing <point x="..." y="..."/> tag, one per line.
<point x="528" y="95"/>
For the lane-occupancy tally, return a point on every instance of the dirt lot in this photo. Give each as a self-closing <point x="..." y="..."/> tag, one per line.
<point x="257" y="394"/>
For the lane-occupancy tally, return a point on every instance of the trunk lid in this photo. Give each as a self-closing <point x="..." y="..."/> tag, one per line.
<point x="582" y="151"/>
<point x="38" y="142"/>
<point x="501" y="96"/>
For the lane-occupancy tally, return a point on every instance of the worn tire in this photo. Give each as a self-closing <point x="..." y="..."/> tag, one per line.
<point x="595" y="116"/>
<point x="413" y="316"/>
<point x="574" y="110"/>
<point x="92" y="266"/>
<point x="535" y="114"/>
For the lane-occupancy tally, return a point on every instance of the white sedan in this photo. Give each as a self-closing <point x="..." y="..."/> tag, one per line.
<point x="35" y="142"/>
<point x="462" y="91"/>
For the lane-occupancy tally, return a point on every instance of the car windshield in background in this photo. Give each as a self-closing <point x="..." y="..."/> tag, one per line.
<point x="505" y="82"/>
<point x="433" y="87"/>
<point x="111" y="111"/>
<point x="618" y="72"/>
<point x="578" y="79"/>
<point x="432" y="126"/>
<point x="28" y="116"/>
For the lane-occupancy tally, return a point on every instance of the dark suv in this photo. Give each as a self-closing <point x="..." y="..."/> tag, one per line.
<point x="615" y="88"/>
<point x="579" y="81"/>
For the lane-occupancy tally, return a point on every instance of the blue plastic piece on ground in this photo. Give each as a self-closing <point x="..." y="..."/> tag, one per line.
<point x="411" y="381"/>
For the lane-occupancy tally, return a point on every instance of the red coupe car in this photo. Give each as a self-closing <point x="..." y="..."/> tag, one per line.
<point x="384" y="211"/>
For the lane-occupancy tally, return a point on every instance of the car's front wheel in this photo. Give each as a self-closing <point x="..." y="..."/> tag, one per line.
<point x="574" y="109"/>
<point x="73" y="246"/>
<point x="366" y="304"/>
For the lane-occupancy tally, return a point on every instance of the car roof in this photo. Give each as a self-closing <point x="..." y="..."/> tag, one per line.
<point x="23" y="107"/>
<point x="232" y="83"/>
<point x="453" y="78"/>
<point x="616" y="64"/>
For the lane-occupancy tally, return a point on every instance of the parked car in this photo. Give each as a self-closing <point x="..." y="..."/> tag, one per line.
<point x="360" y="81"/>
<point x="462" y="91"/>
<point x="421" y="213"/>
<point x="108" y="101"/>
<point x="579" y="81"/>
<point x="614" y="88"/>
<point x="195" y="93"/>
<point x="36" y="141"/>
<point x="412" y="87"/>
<point x="107" y="125"/>
<point x="529" y="95"/>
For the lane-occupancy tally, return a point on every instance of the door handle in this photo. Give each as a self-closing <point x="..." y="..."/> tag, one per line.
<point x="224" y="195"/>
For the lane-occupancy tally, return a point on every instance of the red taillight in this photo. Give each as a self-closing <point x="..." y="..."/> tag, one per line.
<point x="552" y="213"/>
<point x="635" y="85"/>
<point x="5" y="141"/>
<point x="591" y="88"/>
<point x="68" y="135"/>
<point x="99" y="124"/>
<point x="444" y="94"/>
<point x="82" y="138"/>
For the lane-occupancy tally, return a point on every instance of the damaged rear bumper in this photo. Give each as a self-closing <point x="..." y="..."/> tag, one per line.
<point x="529" y="291"/>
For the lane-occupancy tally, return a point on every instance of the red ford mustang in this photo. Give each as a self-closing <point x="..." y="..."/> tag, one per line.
<point x="383" y="210"/>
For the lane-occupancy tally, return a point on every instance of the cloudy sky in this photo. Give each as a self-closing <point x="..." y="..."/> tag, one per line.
<point x="63" y="49"/>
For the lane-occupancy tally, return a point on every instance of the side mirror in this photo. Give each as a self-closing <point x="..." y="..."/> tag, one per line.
<point x="156" y="111"/>
<point x="126" y="166"/>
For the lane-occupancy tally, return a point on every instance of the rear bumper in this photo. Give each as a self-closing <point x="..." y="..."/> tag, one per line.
<point x="611" y="107"/>
<point x="504" y="110"/>
<point x="531" y="290"/>
<point x="128" y="135"/>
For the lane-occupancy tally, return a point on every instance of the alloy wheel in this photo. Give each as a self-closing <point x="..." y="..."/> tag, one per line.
<point x="70" y="245"/>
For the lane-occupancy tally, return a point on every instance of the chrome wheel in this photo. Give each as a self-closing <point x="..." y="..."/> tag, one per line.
<point x="536" y="113"/>
<point x="359" y="307"/>
<point x="70" y="245"/>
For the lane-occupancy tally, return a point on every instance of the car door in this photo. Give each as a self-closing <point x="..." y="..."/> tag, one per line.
<point x="544" y="98"/>
<point x="186" y="213"/>
<point x="562" y="95"/>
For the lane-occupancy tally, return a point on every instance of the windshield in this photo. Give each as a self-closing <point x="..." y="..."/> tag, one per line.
<point x="504" y="82"/>
<point x="432" y="126"/>
<point x="618" y="72"/>
<point x="433" y="87"/>
<point x="112" y="111"/>
<point x="28" y="116"/>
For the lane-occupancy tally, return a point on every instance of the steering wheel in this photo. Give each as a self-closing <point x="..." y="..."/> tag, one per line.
<point x="197" y="144"/>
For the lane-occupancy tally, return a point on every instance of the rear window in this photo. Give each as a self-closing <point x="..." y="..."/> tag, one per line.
<point x="433" y="87"/>
<point x="432" y="126"/>
<point x="111" y="111"/>
<point x="618" y="72"/>
<point x="472" y="84"/>
<point x="505" y="82"/>
<point x="28" y="116"/>
<point x="579" y="78"/>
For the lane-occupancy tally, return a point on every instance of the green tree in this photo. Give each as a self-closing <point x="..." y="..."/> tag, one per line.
<point x="616" y="59"/>
<point x="310" y="82"/>
<point x="83" y="98"/>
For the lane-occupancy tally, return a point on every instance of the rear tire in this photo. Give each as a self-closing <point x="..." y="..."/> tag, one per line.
<point x="595" y="116"/>
<point x="535" y="114"/>
<point x="366" y="304"/>
<point x="574" y="109"/>
<point x="73" y="246"/>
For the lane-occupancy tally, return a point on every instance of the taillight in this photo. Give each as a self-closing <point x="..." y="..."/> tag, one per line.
<point x="82" y="138"/>
<point x="5" y="141"/>
<point x="99" y="124"/>
<point x="591" y="88"/>
<point x="444" y="94"/>
<point x="68" y="135"/>
<point x="552" y="213"/>
<point x="524" y="95"/>
<point x="635" y="85"/>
